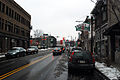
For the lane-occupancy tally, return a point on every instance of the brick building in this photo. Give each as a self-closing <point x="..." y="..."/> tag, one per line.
<point x="14" y="25"/>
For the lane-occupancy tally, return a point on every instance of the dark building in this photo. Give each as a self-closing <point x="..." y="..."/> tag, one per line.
<point x="14" y="25"/>
<point x="44" y="42"/>
<point x="107" y="29"/>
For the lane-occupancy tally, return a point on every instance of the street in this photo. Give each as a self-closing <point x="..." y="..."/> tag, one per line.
<point x="41" y="66"/>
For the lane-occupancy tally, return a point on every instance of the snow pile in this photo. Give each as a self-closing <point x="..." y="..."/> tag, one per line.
<point x="43" y="49"/>
<point x="61" y="67"/>
<point x="110" y="72"/>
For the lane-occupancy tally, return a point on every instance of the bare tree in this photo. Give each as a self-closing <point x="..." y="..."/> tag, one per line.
<point x="38" y="33"/>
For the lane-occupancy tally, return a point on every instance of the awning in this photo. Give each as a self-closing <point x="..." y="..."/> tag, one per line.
<point x="115" y="29"/>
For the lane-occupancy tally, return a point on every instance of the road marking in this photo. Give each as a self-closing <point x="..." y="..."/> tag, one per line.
<point x="21" y="68"/>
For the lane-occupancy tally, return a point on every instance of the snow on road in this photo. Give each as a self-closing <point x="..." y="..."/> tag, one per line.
<point x="111" y="72"/>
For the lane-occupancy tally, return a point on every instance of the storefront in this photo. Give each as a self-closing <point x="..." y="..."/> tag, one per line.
<point x="114" y="37"/>
<point x="117" y="49"/>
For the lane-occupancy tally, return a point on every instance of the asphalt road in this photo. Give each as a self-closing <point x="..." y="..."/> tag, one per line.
<point x="41" y="66"/>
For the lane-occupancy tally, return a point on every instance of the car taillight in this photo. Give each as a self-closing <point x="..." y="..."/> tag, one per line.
<point x="93" y="60"/>
<point x="72" y="53"/>
<point x="70" y="58"/>
<point x="93" y="57"/>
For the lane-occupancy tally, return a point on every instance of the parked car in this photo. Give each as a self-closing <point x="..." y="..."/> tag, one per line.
<point x="57" y="51"/>
<point x="30" y="50"/>
<point x="81" y="60"/>
<point x="72" y="50"/>
<point x="16" y="52"/>
<point x="35" y="48"/>
<point x="63" y="49"/>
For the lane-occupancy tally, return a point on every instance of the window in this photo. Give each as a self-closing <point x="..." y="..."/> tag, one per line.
<point x="15" y="16"/>
<point x="16" y="29"/>
<point x="6" y="25"/>
<point x="11" y="27"/>
<point x="3" y="7"/>
<point x="104" y="13"/>
<point x="7" y="10"/>
<point x="2" y="24"/>
<point x="12" y="14"/>
<point x="0" y="6"/>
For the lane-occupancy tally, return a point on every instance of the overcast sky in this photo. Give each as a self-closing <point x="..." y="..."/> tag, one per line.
<point x="57" y="17"/>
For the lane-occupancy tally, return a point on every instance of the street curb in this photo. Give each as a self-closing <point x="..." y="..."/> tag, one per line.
<point x="104" y="77"/>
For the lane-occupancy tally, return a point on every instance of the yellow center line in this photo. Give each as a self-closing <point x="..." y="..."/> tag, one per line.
<point x="21" y="68"/>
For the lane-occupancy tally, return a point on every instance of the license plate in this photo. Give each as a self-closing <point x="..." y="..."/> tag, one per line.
<point x="82" y="61"/>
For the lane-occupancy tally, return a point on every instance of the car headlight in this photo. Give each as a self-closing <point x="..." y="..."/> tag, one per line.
<point x="14" y="53"/>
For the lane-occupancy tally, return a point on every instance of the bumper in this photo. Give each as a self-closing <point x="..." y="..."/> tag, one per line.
<point x="81" y="66"/>
<point x="9" y="56"/>
<point x="56" y="53"/>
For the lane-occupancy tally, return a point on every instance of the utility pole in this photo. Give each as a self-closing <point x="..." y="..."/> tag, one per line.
<point x="91" y="34"/>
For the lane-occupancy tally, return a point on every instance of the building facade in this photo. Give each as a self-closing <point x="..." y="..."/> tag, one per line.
<point x="107" y="28"/>
<point x="14" y="25"/>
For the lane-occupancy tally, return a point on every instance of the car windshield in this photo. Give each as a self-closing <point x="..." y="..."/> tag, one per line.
<point x="83" y="54"/>
<point x="13" y="50"/>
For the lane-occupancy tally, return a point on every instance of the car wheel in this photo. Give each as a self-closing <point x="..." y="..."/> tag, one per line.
<point x="24" y="54"/>
<point x="7" y="57"/>
<point x="17" y="55"/>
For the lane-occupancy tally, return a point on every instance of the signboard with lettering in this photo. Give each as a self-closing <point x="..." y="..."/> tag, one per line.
<point x="83" y="27"/>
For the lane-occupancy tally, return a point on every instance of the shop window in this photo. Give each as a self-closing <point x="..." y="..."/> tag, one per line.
<point x="23" y="33"/>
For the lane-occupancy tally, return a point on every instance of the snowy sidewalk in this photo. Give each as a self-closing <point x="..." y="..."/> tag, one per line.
<point x="111" y="72"/>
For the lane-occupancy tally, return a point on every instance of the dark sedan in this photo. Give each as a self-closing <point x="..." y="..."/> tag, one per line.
<point x="57" y="51"/>
<point x="16" y="52"/>
<point x="81" y="60"/>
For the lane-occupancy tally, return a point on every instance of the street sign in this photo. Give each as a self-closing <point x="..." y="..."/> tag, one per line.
<point x="83" y="27"/>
